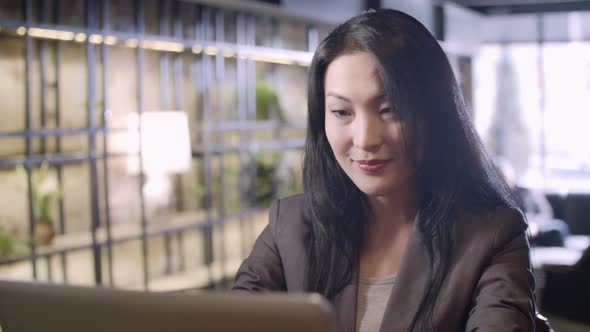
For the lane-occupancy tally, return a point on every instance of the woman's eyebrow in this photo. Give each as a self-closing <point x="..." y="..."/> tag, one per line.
<point x="379" y="97"/>
<point x="334" y="94"/>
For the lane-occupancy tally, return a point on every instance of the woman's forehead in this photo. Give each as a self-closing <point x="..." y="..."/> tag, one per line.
<point x="353" y="77"/>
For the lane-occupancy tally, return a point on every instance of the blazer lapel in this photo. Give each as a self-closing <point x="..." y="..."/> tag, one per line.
<point x="345" y="303"/>
<point x="409" y="287"/>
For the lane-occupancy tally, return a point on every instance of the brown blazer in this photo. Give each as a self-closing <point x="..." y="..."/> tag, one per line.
<point x="489" y="287"/>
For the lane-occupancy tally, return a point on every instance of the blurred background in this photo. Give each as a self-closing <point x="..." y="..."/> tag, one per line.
<point x="141" y="142"/>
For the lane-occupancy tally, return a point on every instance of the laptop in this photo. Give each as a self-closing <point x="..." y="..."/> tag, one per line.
<point x="44" y="307"/>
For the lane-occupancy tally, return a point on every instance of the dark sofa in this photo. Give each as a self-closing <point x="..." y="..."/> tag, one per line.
<point x="574" y="209"/>
<point x="566" y="290"/>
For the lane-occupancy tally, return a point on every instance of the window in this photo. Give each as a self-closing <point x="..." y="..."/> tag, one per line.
<point x="533" y="102"/>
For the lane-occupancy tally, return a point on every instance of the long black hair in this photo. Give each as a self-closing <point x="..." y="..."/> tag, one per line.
<point x="452" y="172"/>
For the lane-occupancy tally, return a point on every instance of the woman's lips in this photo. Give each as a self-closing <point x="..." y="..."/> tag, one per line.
<point x="372" y="166"/>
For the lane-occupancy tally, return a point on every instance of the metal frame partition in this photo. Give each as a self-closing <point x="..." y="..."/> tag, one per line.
<point x="209" y="51"/>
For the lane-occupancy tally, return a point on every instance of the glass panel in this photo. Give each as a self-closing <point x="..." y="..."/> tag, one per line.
<point x="12" y="147"/>
<point x="193" y="186"/>
<point x="124" y="191"/>
<point x="73" y="145"/>
<point x="151" y="81"/>
<point x="266" y="176"/>
<point x="156" y="256"/>
<point x="289" y="173"/>
<point x="80" y="268"/>
<point x="291" y="93"/>
<point x="118" y="142"/>
<point x="230" y="91"/>
<point x="192" y="245"/>
<point x="121" y="89"/>
<point x="233" y="243"/>
<point x="127" y="265"/>
<point x="73" y="83"/>
<point x="231" y="191"/>
<point x="47" y="54"/>
<point x="76" y="196"/>
<point x="12" y="91"/>
<point x="191" y="98"/>
<point x="14" y="215"/>
<point x="217" y="200"/>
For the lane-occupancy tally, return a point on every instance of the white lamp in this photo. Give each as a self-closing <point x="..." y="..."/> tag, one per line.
<point x="165" y="150"/>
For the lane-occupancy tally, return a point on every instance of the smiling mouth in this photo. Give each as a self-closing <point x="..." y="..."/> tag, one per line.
<point x="373" y="165"/>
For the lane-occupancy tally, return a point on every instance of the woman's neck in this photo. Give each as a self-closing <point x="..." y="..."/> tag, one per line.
<point x="394" y="210"/>
<point x="388" y="234"/>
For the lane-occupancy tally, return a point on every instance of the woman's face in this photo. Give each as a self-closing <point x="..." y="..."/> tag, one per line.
<point x="364" y="131"/>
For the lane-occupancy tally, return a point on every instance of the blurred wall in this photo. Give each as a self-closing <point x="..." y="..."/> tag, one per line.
<point x="526" y="27"/>
<point x="462" y="25"/>
<point x="334" y="11"/>
<point x="422" y="10"/>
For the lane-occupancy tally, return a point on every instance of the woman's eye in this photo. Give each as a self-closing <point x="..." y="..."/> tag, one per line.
<point x="340" y="113"/>
<point x="390" y="112"/>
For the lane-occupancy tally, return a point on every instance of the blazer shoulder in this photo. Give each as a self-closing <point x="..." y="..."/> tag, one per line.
<point x="292" y="201"/>
<point x="287" y="214"/>
<point x="495" y="226"/>
<point x="510" y="224"/>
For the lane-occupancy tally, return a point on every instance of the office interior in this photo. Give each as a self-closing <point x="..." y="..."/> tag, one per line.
<point x="142" y="142"/>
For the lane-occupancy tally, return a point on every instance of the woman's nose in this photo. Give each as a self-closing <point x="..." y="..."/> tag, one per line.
<point x="367" y="133"/>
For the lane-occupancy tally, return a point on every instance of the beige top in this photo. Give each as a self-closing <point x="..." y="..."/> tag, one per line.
<point x="372" y="297"/>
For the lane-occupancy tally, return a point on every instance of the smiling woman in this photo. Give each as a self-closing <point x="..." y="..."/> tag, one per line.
<point x="397" y="191"/>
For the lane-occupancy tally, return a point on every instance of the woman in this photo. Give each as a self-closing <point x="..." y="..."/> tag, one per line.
<point x="403" y="223"/>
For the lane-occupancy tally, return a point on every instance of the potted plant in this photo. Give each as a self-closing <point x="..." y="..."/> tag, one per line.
<point x="45" y="194"/>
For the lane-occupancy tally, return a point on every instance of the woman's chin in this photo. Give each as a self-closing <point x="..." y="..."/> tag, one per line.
<point x="375" y="190"/>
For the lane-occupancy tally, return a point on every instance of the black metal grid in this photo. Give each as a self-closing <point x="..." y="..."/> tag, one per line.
<point x="208" y="32"/>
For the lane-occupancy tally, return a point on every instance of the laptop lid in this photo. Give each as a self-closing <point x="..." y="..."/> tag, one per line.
<point x="51" y="308"/>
